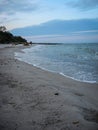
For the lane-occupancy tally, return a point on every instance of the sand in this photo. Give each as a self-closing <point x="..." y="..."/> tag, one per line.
<point x="34" y="99"/>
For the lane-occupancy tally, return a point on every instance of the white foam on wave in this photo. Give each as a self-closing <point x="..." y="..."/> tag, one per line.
<point x="53" y="71"/>
<point x="38" y="65"/>
<point x="77" y="79"/>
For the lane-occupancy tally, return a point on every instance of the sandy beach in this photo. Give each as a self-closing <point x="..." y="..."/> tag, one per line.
<point x="34" y="99"/>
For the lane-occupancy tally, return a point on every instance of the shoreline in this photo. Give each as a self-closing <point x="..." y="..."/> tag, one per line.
<point x="60" y="73"/>
<point x="35" y="99"/>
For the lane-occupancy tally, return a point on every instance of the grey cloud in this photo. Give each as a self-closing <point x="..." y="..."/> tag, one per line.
<point x="12" y="6"/>
<point x="4" y="20"/>
<point x="83" y="4"/>
<point x="9" y="8"/>
<point x="59" y="27"/>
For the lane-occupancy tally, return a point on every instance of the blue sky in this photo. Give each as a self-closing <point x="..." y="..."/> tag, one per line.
<point x="38" y="14"/>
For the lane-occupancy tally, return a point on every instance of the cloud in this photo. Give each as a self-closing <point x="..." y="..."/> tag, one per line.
<point x="12" y="6"/>
<point x="61" y="31"/>
<point x="15" y="9"/>
<point x="83" y="4"/>
<point x="59" y="27"/>
<point x="83" y="30"/>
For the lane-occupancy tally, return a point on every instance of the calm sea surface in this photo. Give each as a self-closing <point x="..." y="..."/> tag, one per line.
<point x="77" y="61"/>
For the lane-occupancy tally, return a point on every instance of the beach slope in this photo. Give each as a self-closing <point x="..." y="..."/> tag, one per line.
<point x="34" y="99"/>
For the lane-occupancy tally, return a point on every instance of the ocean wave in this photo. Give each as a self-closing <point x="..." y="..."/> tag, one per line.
<point x="72" y="63"/>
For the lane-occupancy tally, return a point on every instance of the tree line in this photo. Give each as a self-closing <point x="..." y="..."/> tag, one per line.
<point x="7" y="37"/>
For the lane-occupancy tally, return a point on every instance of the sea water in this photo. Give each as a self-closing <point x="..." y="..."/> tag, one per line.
<point x="77" y="61"/>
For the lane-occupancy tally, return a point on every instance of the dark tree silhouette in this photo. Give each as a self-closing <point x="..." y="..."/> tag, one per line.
<point x="7" y="37"/>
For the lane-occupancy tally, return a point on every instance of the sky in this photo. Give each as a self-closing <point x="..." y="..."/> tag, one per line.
<point x="51" y="20"/>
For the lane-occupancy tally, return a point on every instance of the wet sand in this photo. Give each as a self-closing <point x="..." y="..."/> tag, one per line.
<point x="34" y="99"/>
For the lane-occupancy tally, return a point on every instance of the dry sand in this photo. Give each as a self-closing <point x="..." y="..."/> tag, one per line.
<point x="33" y="99"/>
